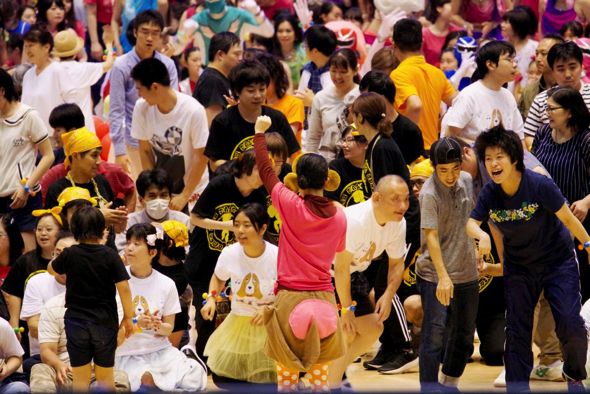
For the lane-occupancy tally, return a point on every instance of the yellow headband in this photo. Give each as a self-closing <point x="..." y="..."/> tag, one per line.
<point x="78" y="141"/>
<point x="55" y="211"/>
<point x="75" y="193"/>
<point x="176" y="231"/>
<point x="424" y="169"/>
<point x="291" y="178"/>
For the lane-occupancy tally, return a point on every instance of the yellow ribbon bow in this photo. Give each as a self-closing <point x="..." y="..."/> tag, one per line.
<point x="55" y="211"/>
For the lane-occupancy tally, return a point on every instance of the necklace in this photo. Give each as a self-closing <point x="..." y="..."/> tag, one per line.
<point x="101" y="200"/>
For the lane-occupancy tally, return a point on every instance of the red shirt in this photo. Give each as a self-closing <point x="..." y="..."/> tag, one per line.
<point x="270" y="11"/>
<point x="104" y="10"/>
<point x="120" y="182"/>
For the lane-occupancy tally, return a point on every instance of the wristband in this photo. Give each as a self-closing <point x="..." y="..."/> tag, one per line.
<point x="218" y="298"/>
<point x="585" y="245"/>
<point x="351" y="308"/>
<point x="27" y="188"/>
<point x="137" y="328"/>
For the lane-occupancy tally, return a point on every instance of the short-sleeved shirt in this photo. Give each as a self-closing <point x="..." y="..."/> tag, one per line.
<point x="478" y="108"/>
<point x="60" y="185"/>
<point x="104" y="10"/>
<point x="25" y="267"/>
<point x="9" y="344"/>
<point x="384" y="158"/>
<point x="292" y="108"/>
<point x="220" y="201"/>
<point x="366" y="239"/>
<point x="354" y="187"/>
<point x="211" y="87"/>
<point x="154" y="293"/>
<point x="537" y="113"/>
<point x="533" y="235"/>
<point x="173" y="136"/>
<point x="432" y="44"/>
<point x="40" y="289"/>
<point x="21" y="135"/>
<point x="233" y="20"/>
<point x="416" y="77"/>
<point x="252" y="278"/>
<point x="92" y="272"/>
<point x="447" y="210"/>
<point x="567" y="162"/>
<point x="231" y="135"/>
<point x="408" y="137"/>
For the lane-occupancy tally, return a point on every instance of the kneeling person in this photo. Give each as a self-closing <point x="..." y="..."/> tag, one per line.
<point x="374" y="226"/>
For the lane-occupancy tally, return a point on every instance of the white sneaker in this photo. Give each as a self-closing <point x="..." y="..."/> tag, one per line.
<point x="501" y="379"/>
<point x="551" y="373"/>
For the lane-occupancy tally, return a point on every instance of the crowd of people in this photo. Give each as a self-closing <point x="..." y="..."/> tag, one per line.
<point x="294" y="182"/>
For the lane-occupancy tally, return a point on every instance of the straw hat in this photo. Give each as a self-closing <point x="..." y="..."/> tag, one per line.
<point x="66" y="43"/>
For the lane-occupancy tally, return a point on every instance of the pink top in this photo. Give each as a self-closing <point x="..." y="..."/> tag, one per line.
<point x="432" y="44"/>
<point x="474" y="13"/>
<point x="313" y="231"/>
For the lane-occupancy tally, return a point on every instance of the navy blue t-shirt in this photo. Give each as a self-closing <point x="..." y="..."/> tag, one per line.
<point x="532" y="233"/>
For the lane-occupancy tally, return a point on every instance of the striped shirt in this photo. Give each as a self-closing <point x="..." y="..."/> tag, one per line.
<point x="537" y="115"/>
<point x="568" y="162"/>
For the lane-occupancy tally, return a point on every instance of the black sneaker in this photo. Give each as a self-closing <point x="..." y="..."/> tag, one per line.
<point x="401" y="361"/>
<point x="380" y="359"/>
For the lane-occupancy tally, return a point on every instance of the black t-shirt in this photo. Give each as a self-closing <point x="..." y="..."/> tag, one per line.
<point x="29" y="264"/>
<point x="382" y="158"/>
<point x="408" y="137"/>
<point x="220" y="201"/>
<point x="92" y="271"/>
<point x="274" y="227"/>
<point x="211" y="87"/>
<point x="354" y="187"/>
<point x="60" y="185"/>
<point x="174" y="272"/>
<point x="231" y="135"/>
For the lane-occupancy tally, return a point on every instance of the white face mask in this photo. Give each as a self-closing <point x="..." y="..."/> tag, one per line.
<point x="157" y="209"/>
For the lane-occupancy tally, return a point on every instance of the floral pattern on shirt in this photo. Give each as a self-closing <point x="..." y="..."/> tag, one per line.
<point x="526" y="212"/>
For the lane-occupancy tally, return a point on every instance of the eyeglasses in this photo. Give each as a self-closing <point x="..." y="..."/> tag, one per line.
<point x="417" y="184"/>
<point x="549" y="109"/>
<point x="149" y="33"/>
<point x="346" y="141"/>
<point x="48" y="230"/>
<point x="56" y="252"/>
<point x="279" y="163"/>
<point x="510" y="59"/>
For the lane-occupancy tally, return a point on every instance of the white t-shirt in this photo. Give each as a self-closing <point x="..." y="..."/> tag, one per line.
<point x="154" y="293"/>
<point x="478" y="108"/>
<point x="51" y="324"/>
<point x="83" y="76"/>
<point x="9" y="344"/>
<point x="19" y="137"/>
<point x="324" y="130"/>
<point x="47" y="90"/>
<point x="252" y="279"/>
<point x="366" y="239"/>
<point x="173" y="136"/>
<point x="40" y="289"/>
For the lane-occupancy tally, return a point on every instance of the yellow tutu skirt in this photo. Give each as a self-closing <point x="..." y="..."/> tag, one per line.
<point x="236" y="351"/>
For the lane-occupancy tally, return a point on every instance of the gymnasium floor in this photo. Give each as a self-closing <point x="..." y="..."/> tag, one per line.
<point x="478" y="377"/>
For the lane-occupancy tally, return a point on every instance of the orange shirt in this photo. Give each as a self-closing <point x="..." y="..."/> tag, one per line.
<point x="416" y="77"/>
<point x="293" y="110"/>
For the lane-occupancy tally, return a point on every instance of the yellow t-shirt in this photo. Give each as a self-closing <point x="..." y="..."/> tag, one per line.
<point x="416" y="77"/>
<point x="293" y="110"/>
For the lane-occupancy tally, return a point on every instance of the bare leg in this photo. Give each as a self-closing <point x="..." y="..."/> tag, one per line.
<point x="105" y="378"/>
<point x="81" y="378"/>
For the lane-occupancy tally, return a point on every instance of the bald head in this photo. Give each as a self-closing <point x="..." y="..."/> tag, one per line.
<point x="388" y="183"/>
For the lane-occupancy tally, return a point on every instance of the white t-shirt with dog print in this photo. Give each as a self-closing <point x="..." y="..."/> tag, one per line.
<point x="252" y="279"/>
<point x="155" y="294"/>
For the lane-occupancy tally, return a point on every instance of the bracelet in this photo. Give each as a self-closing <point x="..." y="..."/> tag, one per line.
<point x="18" y="329"/>
<point x="351" y="308"/>
<point x="218" y="298"/>
<point x="584" y="245"/>
<point x="27" y="188"/>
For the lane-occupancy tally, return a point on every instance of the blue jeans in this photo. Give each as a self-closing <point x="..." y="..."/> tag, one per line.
<point x="464" y="311"/>
<point x="14" y="387"/>
<point x="522" y="288"/>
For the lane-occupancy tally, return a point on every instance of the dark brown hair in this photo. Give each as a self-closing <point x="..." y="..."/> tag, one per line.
<point x="276" y="145"/>
<point x="373" y="108"/>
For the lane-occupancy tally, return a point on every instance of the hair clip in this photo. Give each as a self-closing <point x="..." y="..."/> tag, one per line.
<point x="300" y="25"/>
<point x="12" y="221"/>
<point x="382" y="115"/>
<point x="159" y="232"/>
<point x="151" y="239"/>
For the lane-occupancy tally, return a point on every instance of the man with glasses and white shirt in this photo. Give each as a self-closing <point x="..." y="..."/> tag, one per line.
<point x="486" y="103"/>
